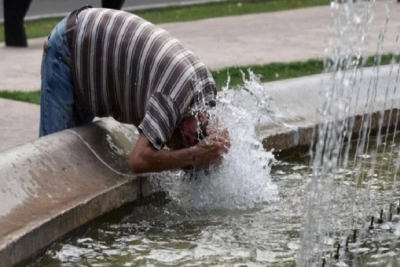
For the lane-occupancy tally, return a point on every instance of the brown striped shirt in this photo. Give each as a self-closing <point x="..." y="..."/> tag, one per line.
<point x="128" y="68"/>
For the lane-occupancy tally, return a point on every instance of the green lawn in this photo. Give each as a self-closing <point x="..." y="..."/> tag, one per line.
<point x="280" y="71"/>
<point x="269" y="72"/>
<point x="43" y="27"/>
<point x="30" y="97"/>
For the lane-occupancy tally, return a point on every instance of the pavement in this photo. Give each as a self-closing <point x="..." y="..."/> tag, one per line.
<point x="51" y="8"/>
<point x="293" y="35"/>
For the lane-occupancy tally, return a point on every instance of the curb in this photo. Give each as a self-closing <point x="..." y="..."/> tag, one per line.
<point x="292" y="142"/>
<point x="58" y="183"/>
<point x="294" y="103"/>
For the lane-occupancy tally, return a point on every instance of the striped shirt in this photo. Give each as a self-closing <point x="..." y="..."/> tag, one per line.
<point x="128" y="68"/>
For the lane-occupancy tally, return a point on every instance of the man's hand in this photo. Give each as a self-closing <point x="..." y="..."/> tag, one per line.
<point x="145" y="158"/>
<point x="210" y="150"/>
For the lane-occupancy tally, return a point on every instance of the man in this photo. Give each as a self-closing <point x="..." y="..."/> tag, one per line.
<point x="103" y="62"/>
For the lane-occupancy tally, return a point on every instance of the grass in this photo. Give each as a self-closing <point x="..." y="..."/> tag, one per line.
<point x="268" y="73"/>
<point x="29" y="97"/>
<point x="280" y="71"/>
<point x="42" y="27"/>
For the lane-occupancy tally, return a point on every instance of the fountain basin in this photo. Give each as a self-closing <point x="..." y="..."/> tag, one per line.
<point x="56" y="184"/>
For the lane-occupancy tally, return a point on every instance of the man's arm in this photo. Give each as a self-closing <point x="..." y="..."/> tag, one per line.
<point x="145" y="158"/>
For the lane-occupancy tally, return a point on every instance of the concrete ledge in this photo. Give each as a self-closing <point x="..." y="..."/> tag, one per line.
<point x="60" y="182"/>
<point x="294" y="103"/>
<point x="284" y="143"/>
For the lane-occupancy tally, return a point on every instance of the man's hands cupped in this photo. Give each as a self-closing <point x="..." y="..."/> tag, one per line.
<point x="210" y="151"/>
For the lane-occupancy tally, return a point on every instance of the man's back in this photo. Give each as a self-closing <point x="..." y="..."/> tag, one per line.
<point x="121" y="60"/>
<point x="100" y="62"/>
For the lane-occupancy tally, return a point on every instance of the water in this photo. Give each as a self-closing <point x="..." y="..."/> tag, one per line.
<point x="250" y="211"/>
<point x="256" y="211"/>
<point x="242" y="181"/>
<point x="328" y="222"/>
<point x="267" y="234"/>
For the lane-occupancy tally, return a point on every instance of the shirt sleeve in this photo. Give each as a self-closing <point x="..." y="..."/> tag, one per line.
<point x="204" y="92"/>
<point x="160" y="120"/>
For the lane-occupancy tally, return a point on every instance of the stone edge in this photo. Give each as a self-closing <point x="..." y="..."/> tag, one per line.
<point x="285" y="141"/>
<point x="35" y="239"/>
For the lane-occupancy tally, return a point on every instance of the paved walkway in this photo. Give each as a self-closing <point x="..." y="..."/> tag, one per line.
<point x="220" y="42"/>
<point x="49" y="8"/>
<point x="19" y="123"/>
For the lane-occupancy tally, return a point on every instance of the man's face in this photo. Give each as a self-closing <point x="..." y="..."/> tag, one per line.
<point x="190" y="132"/>
<point x="189" y="129"/>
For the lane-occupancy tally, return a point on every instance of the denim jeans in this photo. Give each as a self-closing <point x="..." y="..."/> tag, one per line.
<point x="58" y="107"/>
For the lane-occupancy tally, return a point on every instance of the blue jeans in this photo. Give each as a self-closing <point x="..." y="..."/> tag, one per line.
<point x="58" y="107"/>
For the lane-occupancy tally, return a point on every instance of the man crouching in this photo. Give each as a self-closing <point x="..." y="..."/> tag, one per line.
<point x="102" y="62"/>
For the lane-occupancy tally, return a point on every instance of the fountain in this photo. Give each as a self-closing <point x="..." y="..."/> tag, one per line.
<point x="338" y="207"/>
<point x="341" y="205"/>
<point x="335" y="209"/>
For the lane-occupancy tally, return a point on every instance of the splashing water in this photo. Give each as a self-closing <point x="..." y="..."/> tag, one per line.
<point x="328" y="222"/>
<point x="242" y="181"/>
